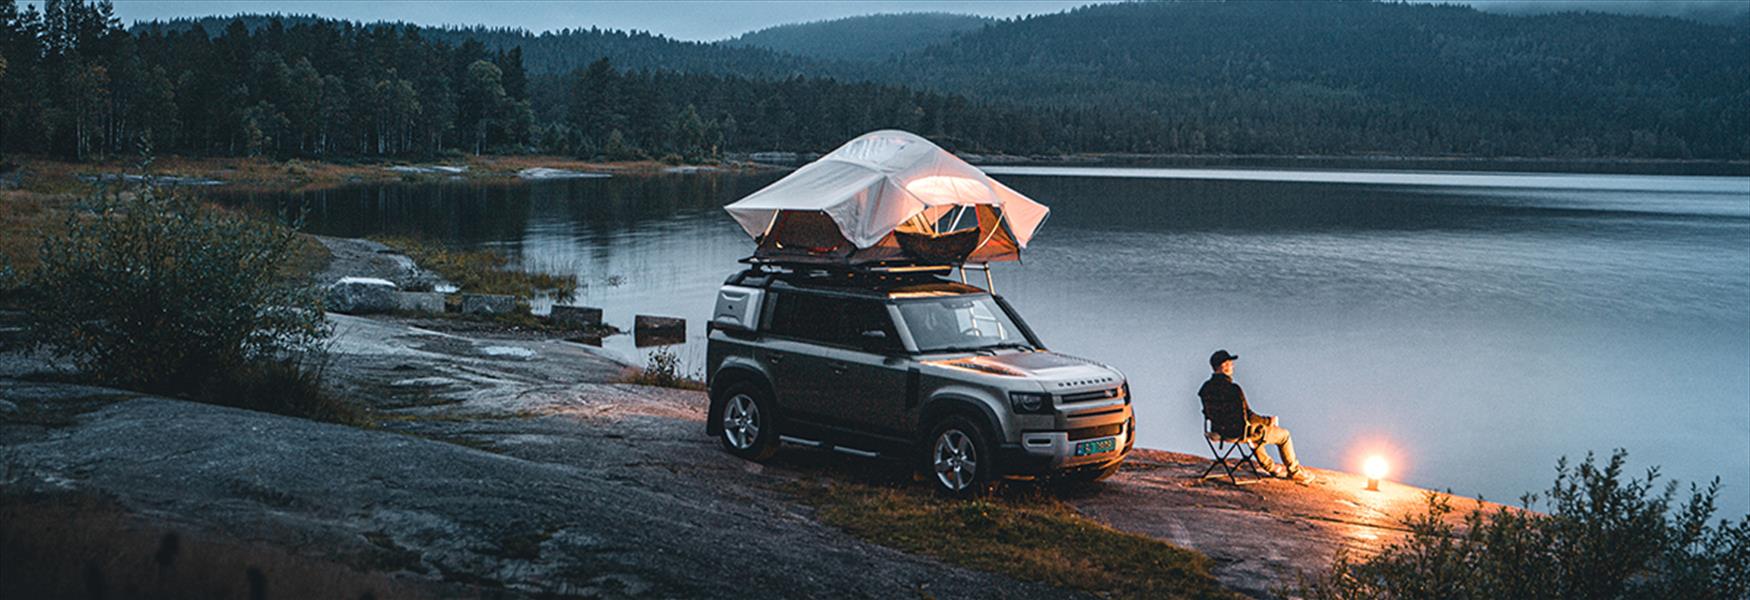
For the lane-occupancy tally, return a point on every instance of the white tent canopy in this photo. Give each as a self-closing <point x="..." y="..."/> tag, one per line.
<point x="876" y="182"/>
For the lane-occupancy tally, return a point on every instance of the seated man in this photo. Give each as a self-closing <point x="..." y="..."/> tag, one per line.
<point x="1225" y="405"/>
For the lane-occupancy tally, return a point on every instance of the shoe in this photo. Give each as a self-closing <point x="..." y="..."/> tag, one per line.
<point x="1301" y="476"/>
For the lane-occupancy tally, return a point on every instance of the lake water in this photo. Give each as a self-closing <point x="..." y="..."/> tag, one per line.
<point x="1473" y="326"/>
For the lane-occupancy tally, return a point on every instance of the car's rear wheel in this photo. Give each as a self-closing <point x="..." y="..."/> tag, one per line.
<point x="748" y="427"/>
<point x="958" y="458"/>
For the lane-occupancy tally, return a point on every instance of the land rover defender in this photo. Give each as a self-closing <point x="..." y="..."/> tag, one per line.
<point x="910" y="365"/>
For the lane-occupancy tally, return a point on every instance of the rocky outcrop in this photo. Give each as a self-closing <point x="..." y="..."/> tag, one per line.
<point x="362" y="296"/>
<point x="551" y="173"/>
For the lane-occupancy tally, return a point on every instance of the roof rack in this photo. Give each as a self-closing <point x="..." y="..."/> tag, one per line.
<point x="878" y="270"/>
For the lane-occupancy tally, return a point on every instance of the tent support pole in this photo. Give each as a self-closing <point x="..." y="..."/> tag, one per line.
<point x="990" y="284"/>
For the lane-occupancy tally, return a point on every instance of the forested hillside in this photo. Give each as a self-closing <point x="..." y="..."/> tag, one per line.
<point x="78" y="86"/>
<point x="1348" y="77"/>
<point x="871" y="37"/>
<point x="1206" y="77"/>
<point x="561" y="51"/>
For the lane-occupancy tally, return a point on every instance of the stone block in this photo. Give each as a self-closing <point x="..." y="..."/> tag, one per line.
<point x="487" y="304"/>
<point x="575" y="316"/>
<point x="658" y="331"/>
<point x="419" y="302"/>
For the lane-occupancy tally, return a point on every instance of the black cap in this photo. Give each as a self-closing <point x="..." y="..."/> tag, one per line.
<point x="1219" y="357"/>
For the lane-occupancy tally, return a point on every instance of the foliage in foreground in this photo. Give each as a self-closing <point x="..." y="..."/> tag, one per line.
<point x="150" y="290"/>
<point x="1034" y="539"/>
<point x="1603" y="538"/>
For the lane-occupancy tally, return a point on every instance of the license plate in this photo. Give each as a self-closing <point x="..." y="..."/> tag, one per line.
<point x="1096" y="446"/>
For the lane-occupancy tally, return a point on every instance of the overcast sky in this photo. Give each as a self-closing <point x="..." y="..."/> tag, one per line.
<point x="702" y="20"/>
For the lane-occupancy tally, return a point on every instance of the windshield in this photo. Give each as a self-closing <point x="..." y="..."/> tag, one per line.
<point x="967" y="322"/>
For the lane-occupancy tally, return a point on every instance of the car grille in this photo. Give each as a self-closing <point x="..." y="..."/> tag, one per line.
<point x="1090" y="396"/>
<point x="1088" y="433"/>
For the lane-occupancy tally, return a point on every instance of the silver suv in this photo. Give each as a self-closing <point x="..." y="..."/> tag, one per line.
<point x="907" y="365"/>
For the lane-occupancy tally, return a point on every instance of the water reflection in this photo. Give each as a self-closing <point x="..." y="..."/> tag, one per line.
<point x="1483" y="330"/>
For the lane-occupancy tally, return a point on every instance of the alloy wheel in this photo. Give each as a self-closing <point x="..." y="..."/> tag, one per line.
<point x="956" y="460"/>
<point x="741" y="422"/>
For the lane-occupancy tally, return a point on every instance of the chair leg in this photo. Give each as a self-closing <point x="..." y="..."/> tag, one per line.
<point x="1220" y="458"/>
<point x="1223" y="455"/>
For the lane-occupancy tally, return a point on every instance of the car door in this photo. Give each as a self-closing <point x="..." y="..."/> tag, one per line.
<point x="867" y="386"/>
<point x="798" y="336"/>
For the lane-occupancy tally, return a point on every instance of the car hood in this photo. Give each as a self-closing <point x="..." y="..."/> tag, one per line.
<point x="1056" y="371"/>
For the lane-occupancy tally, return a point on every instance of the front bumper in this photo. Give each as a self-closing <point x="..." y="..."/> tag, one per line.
<point x="1053" y="452"/>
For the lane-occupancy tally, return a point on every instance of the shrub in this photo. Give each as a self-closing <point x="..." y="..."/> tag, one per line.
<point x="1603" y="538"/>
<point x="152" y="291"/>
<point x="663" y="369"/>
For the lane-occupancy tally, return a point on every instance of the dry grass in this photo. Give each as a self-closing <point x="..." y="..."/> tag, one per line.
<point x="53" y="176"/>
<point x="25" y="218"/>
<point x="1031" y="537"/>
<point x="480" y="271"/>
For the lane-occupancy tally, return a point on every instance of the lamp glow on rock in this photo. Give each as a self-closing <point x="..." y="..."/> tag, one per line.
<point x="1375" y="469"/>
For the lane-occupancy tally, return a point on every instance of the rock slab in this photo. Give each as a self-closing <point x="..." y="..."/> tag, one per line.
<point x="361" y="296"/>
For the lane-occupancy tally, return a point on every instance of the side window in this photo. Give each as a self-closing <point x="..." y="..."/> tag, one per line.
<point x="866" y="315"/>
<point x="804" y="316"/>
<point x="835" y="321"/>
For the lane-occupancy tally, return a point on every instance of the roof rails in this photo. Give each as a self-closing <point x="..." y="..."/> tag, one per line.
<point x="876" y="271"/>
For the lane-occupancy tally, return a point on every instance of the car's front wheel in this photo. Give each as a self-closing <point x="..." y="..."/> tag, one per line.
<point x="959" y="458"/>
<point x="748" y="428"/>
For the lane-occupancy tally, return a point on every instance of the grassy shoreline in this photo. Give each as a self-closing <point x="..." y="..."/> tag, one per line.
<point x="55" y="176"/>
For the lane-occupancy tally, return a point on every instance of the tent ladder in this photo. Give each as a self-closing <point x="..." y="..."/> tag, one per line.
<point x="990" y="284"/>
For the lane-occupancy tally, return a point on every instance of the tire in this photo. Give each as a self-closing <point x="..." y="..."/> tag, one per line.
<point x="749" y="431"/>
<point x="958" y="459"/>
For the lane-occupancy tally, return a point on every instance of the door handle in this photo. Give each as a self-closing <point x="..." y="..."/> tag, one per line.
<point x="774" y="358"/>
<point x="839" y="368"/>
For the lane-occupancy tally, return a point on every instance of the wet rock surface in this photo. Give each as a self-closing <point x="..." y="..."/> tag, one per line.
<point x="509" y="466"/>
<point x="488" y="472"/>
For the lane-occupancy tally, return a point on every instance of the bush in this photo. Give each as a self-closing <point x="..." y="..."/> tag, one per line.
<point x="663" y="369"/>
<point x="1604" y="538"/>
<point x="154" y="292"/>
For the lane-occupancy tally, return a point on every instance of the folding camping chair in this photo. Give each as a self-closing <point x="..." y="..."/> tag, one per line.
<point x="1224" y="449"/>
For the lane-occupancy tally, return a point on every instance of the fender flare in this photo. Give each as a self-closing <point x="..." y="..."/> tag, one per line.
<point x="941" y="407"/>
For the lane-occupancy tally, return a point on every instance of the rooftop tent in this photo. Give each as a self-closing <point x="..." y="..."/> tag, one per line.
<point x="888" y="196"/>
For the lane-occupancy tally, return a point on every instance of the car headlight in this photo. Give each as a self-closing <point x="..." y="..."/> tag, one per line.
<point x="1030" y="402"/>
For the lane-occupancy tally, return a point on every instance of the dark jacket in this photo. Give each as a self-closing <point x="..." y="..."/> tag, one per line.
<point x="1224" y="404"/>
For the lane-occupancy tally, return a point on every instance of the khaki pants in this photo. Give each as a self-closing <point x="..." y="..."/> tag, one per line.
<point x="1284" y="445"/>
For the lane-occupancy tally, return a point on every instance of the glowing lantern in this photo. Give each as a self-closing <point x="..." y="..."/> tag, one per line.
<point x="1375" y="469"/>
